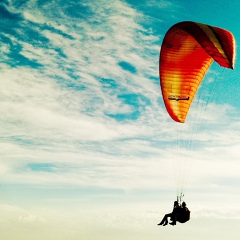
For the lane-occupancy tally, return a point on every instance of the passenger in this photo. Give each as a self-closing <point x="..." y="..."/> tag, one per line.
<point x="179" y="213"/>
<point x="184" y="214"/>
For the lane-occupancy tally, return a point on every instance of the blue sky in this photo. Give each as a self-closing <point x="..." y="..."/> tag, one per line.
<point x="86" y="145"/>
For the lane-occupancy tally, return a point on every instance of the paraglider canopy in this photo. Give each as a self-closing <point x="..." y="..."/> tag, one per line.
<point x="187" y="51"/>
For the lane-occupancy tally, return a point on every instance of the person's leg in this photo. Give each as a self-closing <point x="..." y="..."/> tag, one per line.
<point x="174" y="219"/>
<point x="165" y="219"/>
<point x="169" y="215"/>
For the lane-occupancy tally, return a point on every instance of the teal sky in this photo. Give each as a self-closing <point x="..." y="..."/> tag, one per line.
<point x="87" y="148"/>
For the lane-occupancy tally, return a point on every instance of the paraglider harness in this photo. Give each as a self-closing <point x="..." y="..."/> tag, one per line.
<point x="182" y="214"/>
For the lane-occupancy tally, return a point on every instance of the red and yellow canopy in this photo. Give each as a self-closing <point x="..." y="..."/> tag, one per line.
<point x="187" y="51"/>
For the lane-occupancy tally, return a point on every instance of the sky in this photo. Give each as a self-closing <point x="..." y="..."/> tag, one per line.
<point x="87" y="148"/>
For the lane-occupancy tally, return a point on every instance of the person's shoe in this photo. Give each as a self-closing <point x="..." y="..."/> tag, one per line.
<point x="160" y="224"/>
<point x="165" y="224"/>
<point x="172" y="223"/>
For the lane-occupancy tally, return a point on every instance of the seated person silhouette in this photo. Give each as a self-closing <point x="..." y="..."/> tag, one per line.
<point x="179" y="213"/>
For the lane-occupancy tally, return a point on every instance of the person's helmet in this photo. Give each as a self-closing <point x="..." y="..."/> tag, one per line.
<point x="176" y="203"/>
<point x="183" y="204"/>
